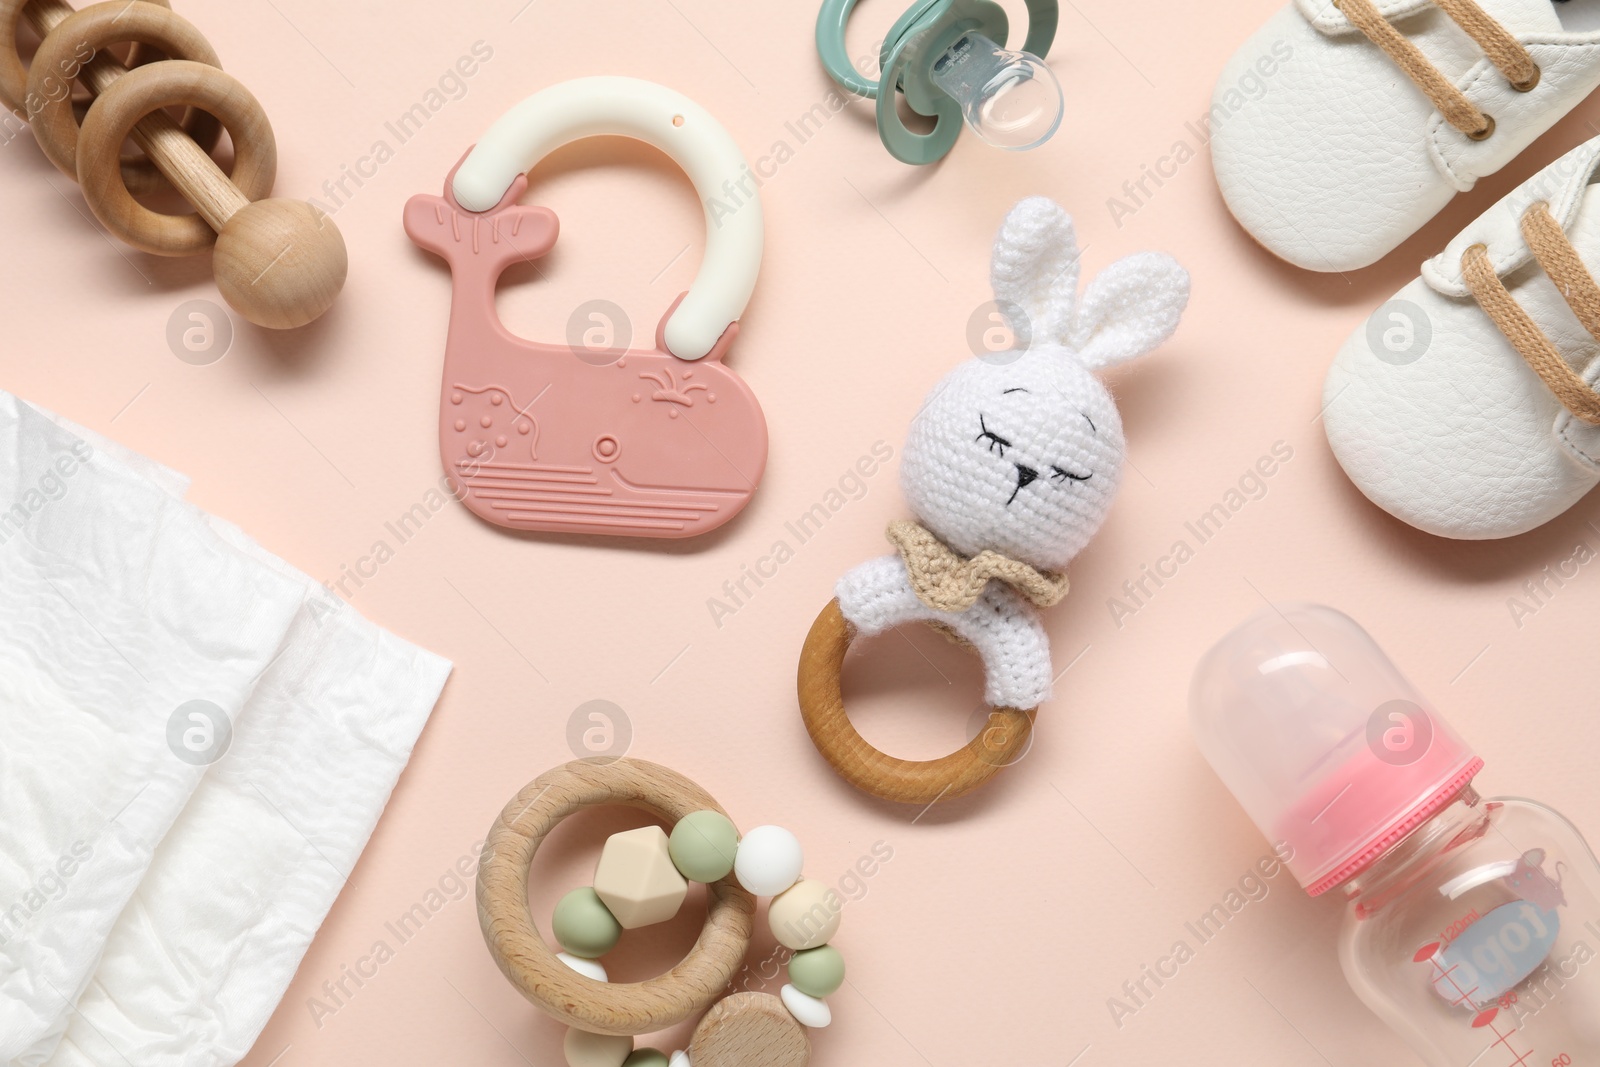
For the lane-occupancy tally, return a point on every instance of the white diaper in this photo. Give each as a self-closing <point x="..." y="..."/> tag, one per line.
<point x="153" y="906"/>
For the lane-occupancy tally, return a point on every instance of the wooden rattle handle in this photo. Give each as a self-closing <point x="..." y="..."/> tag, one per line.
<point x="278" y="262"/>
<point x="1001" y="743"/>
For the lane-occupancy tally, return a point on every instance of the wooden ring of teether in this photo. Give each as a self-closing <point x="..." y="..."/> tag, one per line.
<point x="87" y="33"/>
<point x="622" y="1009"/>
<point x="144" y="90"/>
<point x="998" y="745"/>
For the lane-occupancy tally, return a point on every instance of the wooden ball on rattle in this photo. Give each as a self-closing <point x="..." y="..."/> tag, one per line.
<point x="279" y="262"/>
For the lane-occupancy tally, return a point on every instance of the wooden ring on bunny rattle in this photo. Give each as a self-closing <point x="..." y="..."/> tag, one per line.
<point x="1001" y="743"/>
<point x="94" y="29"/>
<point x="517" y="946"/>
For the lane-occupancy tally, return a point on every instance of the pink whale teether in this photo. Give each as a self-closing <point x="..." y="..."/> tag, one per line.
<point x="665" y="442"/>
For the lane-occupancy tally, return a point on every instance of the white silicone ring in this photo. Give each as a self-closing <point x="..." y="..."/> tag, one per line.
<point x="589" y="107"/>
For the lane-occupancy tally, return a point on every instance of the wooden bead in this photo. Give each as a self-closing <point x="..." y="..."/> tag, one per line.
<point x="805" y="915"/>
<point x="746" y="1029"/>
<point x="519" y="949"/>
<point x="280" y="263"/>
<point x="858" y="762"/>
<point x="637" y="880"/>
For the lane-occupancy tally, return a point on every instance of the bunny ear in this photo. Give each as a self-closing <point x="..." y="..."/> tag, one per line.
<point x="1128" y="309"/>
<point x="1035" y="267"/>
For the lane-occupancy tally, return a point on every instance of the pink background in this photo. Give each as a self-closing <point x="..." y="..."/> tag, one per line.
<point x="1006" y="921"/>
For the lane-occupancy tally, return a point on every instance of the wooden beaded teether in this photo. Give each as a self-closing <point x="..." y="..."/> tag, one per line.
<point x="642" y="878"/>
<point x="278" y="262"/>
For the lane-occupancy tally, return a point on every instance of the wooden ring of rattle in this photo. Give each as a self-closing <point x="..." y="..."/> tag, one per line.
<point x="133" y="96"/>
<point x="619" y="1009"/>
<point x="858" y="762"/>
<point x="15" y="93"/>
<point x="94" y="28"/>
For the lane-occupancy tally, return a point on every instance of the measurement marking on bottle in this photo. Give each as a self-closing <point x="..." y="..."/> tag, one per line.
<point x="1489" y="1017"/>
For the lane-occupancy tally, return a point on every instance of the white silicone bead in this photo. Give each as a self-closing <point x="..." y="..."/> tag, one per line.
<point x="587" y="968"/>
<point x="808" y="1011"/>
<point x="769" y="860"/>
<point x="584" y="1049"/>
<point x="679" y="1059"/>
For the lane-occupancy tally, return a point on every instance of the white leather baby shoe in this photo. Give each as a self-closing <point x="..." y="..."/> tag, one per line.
<point x="1466" y="405"/>
<point x="1343" y="125"/>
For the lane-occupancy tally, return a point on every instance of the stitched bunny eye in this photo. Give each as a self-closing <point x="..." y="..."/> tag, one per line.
<point x="996" y="443"/>
<point x="1057" y="474"/>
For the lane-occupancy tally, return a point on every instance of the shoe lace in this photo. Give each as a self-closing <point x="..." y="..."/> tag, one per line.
<point x="1504" y="51"/>
<point x="1577" y="286"/>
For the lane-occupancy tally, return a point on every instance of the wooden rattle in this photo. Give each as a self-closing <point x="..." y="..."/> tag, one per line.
<point x="642" y="878"/>
<point x="278" y="262"/>
<point x="1010" y="466"/>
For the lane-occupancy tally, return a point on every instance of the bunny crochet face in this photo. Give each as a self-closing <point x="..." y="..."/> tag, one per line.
<point x="1019" y="454"/>
<point x="1015" y="457"/>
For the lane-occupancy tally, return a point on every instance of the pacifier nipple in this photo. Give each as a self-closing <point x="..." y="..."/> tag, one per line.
<point x="1009" y="98"/>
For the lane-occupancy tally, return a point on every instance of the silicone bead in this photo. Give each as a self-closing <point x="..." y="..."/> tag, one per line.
<point x="593" y="969"/>
<point x="817" y="972"/>
<point x="805" y="915"/>
<point x="808" y="1011"/>
<point x="679" y="1059"/>
<point x="703" y="845"/>
<point x="769" y="861"/>
<point x="646" y="1057"/>
<point x="583" y="925"/>
<point x="636" y="880"/>
<point x="584" y="1049"/>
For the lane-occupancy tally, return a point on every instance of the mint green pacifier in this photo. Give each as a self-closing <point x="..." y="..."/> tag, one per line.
<point x="949" y="59"/>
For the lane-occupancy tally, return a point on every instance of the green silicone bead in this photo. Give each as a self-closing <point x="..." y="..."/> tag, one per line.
<point x="584" y="926"/>
<point x="646" y="1057"/>
<point x="817" y="972"/>
<point x="702" y="846"/>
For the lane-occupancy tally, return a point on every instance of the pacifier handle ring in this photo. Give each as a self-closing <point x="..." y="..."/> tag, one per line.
<point x="875" y="772"/>
<point x="631" y="107"/>
<point x="831" y="21"/>
<point x="1043" y="18"/>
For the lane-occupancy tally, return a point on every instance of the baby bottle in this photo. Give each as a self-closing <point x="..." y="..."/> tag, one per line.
<point x="1471" y="924"/>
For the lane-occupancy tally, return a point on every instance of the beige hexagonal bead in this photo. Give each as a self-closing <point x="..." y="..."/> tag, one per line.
<point x="637" y="880"/>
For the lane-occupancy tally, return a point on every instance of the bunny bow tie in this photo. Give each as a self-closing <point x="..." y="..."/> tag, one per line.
<point x="946" y="581"/>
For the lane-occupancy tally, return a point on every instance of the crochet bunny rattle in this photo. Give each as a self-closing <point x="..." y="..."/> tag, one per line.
<point x="1010" y="466"/>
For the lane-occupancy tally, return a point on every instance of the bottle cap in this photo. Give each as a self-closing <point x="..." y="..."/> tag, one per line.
<point x="1323" y="741"/>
